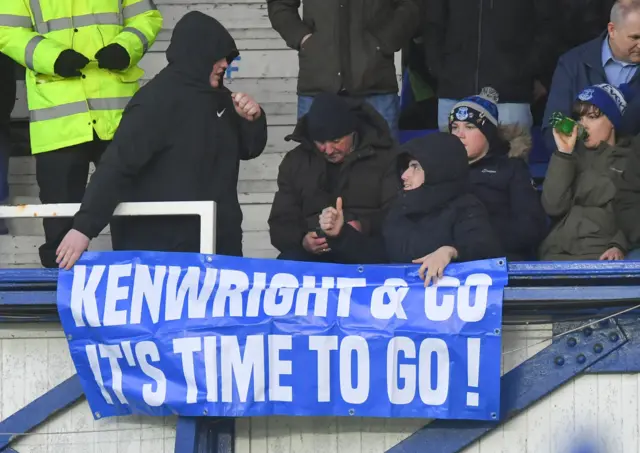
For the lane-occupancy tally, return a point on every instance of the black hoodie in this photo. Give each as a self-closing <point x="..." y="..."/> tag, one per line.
<point x="441" y="212"/>
<point x="179" y="140"/>
<point x="7" y="90"/>
<point x="365" y="180"/>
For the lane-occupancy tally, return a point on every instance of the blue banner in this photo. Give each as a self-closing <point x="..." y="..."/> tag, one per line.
<point x="190" y="334"/>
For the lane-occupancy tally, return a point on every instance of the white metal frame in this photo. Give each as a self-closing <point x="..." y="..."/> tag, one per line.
<point x="205" y="209"/>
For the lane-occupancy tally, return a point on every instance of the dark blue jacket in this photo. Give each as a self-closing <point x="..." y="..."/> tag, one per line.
<point x="577" y="69"/>
<point x="502" y="182"/>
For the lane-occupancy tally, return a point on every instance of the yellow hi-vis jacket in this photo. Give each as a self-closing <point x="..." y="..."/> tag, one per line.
<point x="65" y="112"/>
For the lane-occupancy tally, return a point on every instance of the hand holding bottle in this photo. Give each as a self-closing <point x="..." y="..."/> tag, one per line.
<point x="565" y="143"/>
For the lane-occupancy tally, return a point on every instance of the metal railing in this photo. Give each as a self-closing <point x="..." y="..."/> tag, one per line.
<point x="206" y="210"/>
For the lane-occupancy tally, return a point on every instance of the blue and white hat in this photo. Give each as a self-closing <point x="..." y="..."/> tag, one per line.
<point x="481" y="110"/>
<point x="609" y="99"/>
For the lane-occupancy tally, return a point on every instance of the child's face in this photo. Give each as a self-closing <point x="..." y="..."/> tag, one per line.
<point x="599" y="127"/>
<point x="413" y="176"/>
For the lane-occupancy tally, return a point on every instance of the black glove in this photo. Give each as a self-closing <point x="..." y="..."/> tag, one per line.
<point x="69" y="63"/>
<point x="114" y="57"/>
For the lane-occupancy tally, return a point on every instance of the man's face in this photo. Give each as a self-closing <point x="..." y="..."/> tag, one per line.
<point x="219" y="68"/>
<point x="624" y="38"/>
<point x="335" y="151"/>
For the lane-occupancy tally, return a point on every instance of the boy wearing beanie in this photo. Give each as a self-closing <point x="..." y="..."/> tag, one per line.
<point x="499" y="173"/>
<point x="582" y="181"/>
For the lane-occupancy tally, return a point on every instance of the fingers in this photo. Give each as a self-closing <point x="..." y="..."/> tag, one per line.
<point x="67" y="257"/>
<point x="339" y="204"/>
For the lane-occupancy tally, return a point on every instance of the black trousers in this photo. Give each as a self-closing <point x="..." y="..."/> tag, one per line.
<point x="62" y="178"/>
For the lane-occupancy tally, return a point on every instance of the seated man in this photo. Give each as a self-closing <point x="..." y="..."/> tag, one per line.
<point x="345" y="151"/>
<point x="611" y="58"/>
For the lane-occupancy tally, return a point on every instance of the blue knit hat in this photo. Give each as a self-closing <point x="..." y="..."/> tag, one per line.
<point x="609" y="99"/>
<point x="480" y="110"/>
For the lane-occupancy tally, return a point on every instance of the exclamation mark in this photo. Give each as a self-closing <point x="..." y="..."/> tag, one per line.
<point x="473" y="369"/>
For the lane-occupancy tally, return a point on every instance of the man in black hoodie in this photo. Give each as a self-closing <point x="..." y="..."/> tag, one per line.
<point x="181" y="138"/>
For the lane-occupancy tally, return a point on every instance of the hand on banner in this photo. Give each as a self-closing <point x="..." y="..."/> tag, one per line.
<point x="332" y="219"/>
<point x="71" y="249"/>
<point x="613" y="254"/>
<point x="246" y="106"/>
<point x="314" y="244"/>
<point x="435" y="263"/>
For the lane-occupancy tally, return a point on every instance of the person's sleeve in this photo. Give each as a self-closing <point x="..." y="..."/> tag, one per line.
<point x="542" y="56"/>
<point x="353" y="247"/>
<point x="287" y="226"/>
<point x="142" y="23"/>
<point x="473" y="235"/>
<point x="372" y="224"/>
<point x="435" y="23"/>
<point x="253" y="137"/>
<point x="557" y="190"/>
<point x="138" y="138"/>
<point x="393" y="32"/>
<point x="285" y="19"/>
<point x="20" y="42"/>
<point x="528" y="222"/>
<point x="627" y="199"/>
<point x="561" y="98"/>
<point x="619" y="241"/>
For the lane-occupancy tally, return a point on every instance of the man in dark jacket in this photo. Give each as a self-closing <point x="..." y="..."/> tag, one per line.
<point x="611" y="58"/>
<point x="345" y="151"/>
<point x="504" y="44"/>
<point x="7" y="101"/>
<point x="181" y="138"/>
<point x="347" y="47"/>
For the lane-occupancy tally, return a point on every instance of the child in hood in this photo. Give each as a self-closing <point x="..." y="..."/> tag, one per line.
<point x="436" y="219"/>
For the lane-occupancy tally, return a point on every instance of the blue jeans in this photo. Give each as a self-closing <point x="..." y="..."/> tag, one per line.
<point x="387" y="105"/>
<point x="507" y="113"/>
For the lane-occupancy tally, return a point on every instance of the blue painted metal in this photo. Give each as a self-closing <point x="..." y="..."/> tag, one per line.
<point x="186" y="435"/>
<point x="40" y="409"/>
<point x="575" y="293"/>
<point x="625" y="359"/>
<point x="521" y="387"/>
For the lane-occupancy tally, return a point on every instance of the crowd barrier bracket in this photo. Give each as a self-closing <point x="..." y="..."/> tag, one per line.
<point x="529" y="382"/>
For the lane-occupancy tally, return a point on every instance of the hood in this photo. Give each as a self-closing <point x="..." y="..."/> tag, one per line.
<point x="444" y="160"/>
<point x="372" y="130"/>
<point x="197" y="43"/>
<point x="441" y="155"/>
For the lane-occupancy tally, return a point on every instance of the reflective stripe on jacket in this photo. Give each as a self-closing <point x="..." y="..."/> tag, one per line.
<point x="65" y="112"/>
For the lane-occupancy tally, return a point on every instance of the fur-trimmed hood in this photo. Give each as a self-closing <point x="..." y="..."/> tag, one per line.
<point x="516" y="141"/>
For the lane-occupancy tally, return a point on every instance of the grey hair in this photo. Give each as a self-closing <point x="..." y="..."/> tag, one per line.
<point x="621" y="9"/>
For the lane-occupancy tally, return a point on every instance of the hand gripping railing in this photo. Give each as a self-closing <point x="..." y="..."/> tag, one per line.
<point x="205" y="209"/>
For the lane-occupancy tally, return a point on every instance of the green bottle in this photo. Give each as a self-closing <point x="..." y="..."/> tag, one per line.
<point x="565" y="125"/>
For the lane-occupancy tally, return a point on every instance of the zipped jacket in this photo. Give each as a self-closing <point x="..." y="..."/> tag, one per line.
<point x="65" y="111"/>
